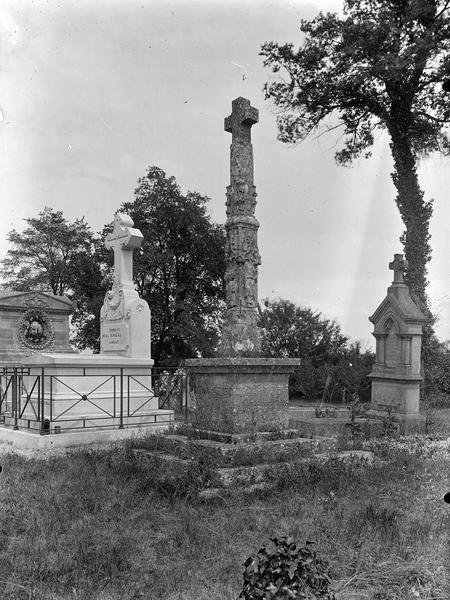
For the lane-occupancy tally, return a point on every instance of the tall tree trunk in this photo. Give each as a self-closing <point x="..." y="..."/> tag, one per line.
<point x="416" y="215"/>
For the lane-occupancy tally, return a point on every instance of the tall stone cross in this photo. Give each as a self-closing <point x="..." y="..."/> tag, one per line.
<point x="399" y="265"/>
<point x="240" y="122"/>
<point x="123" y="239"/>
<point x="240" y="334"/>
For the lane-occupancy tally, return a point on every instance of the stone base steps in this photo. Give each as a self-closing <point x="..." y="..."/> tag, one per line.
<point x="224" y="454"/>
<point x="93" y="422"/>
<point x="32" y="444"/>
<point x="180" y="451"/>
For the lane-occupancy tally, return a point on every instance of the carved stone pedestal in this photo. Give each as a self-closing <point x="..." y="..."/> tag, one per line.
<point x="240" y="395"/>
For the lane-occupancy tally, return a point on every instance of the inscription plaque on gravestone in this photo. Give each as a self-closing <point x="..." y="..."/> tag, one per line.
<point x="114" y="337"/>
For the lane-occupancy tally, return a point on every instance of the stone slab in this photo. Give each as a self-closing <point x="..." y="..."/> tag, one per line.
<point x="86" y="361"/>
<point x="44" y="446"/>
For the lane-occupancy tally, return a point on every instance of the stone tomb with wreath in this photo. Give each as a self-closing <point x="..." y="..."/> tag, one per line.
<point x="112" y="389"/>
<point x="32" y="322"/>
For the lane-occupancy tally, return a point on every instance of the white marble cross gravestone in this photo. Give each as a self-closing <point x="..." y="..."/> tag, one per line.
<point x="123" y="239"/>
<point x="124" y="317"/>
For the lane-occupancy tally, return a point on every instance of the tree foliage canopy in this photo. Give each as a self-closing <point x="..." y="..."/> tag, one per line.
<point x="379" y="67"/>
<point x="332" y="367"/>
<point x="293" y="331"/>
<point x="47" y="254"/>
<point x="180" y="268"/>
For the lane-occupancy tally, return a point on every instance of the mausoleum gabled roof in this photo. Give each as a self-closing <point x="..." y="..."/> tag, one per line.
<point x="399" y="301"/>
<point x="36" y="299"/>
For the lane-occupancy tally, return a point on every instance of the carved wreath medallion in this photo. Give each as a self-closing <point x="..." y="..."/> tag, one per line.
<point x="35" y="332"/>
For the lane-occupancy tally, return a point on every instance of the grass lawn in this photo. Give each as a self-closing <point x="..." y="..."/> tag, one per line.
<point x="104" y="526"/>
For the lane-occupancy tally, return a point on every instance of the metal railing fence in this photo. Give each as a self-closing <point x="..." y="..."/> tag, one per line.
<point x="47" y="402"/>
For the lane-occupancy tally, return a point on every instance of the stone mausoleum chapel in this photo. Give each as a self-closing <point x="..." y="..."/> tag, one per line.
<point x="53" y="397"/>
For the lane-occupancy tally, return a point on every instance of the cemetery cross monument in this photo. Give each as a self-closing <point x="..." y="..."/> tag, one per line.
<point x="239" y="391"/>
<point x="124" y="317"/>
<point x="240" y="334"/>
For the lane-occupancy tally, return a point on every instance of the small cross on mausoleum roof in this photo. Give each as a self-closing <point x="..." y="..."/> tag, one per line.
<point x="242" y="117"/>
<point x="399" y="265"/>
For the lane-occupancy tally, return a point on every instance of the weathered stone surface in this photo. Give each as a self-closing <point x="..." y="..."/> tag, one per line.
<point x="237" y="394"/>
<point x="398" y="332"/>
<point x="124" y="317"/>
<point x="32" y="322"/>
<point x="240" y="334"/>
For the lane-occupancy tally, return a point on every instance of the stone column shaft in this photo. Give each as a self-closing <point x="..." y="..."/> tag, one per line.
<point x="240" y="334"/>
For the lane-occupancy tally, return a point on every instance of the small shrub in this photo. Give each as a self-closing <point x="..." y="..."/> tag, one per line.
<point x="322" y="413"/>
<point x="391" y="424"/>
<point x="286" y="572"/>
<point x="356" y="409"/>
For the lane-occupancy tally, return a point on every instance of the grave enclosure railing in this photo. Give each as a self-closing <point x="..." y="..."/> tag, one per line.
<point x="43" y="402"/>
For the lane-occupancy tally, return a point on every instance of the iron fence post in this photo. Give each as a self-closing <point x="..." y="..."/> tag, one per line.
<point x="42" y="400"/>
<point x="14" y="398"/>
<point x="38" y="396"/>
<point x="121" y="400"/>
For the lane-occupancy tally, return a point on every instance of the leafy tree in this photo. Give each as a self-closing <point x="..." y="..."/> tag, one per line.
<point x="46" y="255"/>
<point x="64" y="258"/>
<point x="180" y="268"/>
<point x="292" y="331"/>
<point x="379" y="67"/>
<point x="93" y="278"/>
<point x="349" y="374"/>
<point x="330" y="363"/>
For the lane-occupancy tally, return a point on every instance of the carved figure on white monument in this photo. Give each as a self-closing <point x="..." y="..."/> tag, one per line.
<point x="113" y="304"/>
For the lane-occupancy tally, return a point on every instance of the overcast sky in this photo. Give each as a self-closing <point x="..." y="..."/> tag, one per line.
<point x="93" y="92"/>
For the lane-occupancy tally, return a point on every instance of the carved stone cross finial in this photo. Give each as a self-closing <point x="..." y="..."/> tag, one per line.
<point x="399" y="265"/>
<point x="242" y="117"/>
<point x="122" y="240"/>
